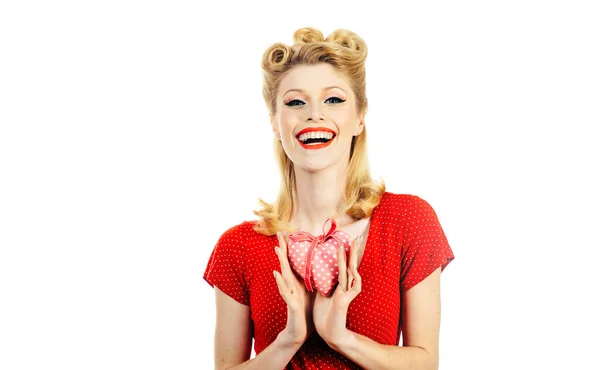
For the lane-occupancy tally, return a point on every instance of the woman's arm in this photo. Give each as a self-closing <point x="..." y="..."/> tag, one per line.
<point x="233" y="332"/>
<point x="420" y="332"/>
<point x="233" y="339"/>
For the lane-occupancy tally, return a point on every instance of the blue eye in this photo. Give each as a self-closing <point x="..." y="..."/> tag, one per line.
<point x="335" y="99"/>
<point x="297" y="102"/>
<point x="294" y="102"/>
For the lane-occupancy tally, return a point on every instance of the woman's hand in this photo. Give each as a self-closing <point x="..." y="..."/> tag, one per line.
<point x="299" y="301"/>
<point x="329" y="313"/>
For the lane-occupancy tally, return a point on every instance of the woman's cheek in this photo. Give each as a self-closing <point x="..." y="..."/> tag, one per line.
<point x="341" y="119"/>
<point x="288" y="122"/>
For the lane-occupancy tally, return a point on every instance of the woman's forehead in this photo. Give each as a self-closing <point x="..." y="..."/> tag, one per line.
<point x="313" y="78"/>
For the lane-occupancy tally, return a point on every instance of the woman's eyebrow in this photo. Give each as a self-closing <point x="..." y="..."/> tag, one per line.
<point x="325" y="88"/>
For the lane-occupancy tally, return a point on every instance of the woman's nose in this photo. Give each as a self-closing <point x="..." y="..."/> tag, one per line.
<point x="315" y="114"/>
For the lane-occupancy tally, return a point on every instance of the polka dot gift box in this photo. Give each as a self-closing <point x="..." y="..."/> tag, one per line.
<point x="314" y="258"/>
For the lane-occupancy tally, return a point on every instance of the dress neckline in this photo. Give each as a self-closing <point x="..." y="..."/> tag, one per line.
<point x="374" y="219"/>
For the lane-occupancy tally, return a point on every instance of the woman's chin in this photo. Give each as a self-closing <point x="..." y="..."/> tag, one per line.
<point x="314" y="166"/>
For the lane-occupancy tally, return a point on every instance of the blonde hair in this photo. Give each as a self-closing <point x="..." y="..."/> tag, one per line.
<point x="346" y="52"/>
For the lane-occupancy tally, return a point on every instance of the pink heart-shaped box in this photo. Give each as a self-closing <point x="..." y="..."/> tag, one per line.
<point x="314" y="258"/>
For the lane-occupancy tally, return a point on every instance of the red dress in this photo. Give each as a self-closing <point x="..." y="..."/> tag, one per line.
<point x="405" y="244"/>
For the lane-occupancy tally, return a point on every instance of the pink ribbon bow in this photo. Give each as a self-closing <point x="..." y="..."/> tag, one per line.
<point x="314" y="258"/>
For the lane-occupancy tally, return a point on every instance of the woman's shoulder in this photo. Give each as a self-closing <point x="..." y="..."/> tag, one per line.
<point x="241" y="232"/>
<point x="404" y="208"/>
<point x="401" y="202"/>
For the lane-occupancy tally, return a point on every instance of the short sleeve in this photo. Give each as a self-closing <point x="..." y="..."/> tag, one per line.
<point x="226" y="267"/>
<point x="424" y="245"/>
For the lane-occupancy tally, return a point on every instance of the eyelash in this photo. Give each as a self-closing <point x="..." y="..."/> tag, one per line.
<point x="289" y="103"/>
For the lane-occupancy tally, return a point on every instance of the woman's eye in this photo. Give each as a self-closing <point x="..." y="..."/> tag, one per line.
<point x="294" y="102"/>
<point x="335" y="100"/>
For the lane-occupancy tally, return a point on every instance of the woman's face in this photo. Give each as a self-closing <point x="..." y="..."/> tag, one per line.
<point x="316" y="117"/>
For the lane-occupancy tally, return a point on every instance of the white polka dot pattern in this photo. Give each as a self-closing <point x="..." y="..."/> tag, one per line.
<point x="405" y="244"/>
<point x="314" y="258"/>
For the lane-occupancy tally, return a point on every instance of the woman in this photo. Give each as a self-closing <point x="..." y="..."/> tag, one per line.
<point x="389" y="283"/>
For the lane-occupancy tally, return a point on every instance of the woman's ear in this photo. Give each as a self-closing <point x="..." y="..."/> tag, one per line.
<point x="360" y="126"/>
<point x="274" y="127"/>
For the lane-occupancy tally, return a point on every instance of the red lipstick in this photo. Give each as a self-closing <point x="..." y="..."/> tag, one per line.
<point x="313" y="129"/>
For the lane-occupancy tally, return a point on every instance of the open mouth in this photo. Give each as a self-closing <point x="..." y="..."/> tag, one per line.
<point x="315" y="138"/>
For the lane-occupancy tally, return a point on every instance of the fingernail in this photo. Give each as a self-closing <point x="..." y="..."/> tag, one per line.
<point x="279" y="234"/>
<point x="275" y="273"/>
<point x="277" y="250"/>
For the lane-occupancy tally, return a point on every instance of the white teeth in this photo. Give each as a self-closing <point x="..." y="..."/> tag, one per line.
<point x="316" y="135"/>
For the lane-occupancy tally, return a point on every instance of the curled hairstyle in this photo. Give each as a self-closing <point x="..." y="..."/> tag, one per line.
<point x="346" y="52"/>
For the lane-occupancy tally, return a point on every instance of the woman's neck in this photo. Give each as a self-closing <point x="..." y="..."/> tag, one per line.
<point x="319" y="196"/>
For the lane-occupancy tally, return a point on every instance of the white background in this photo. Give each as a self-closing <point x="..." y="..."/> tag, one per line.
<point x="133" y="133"/>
